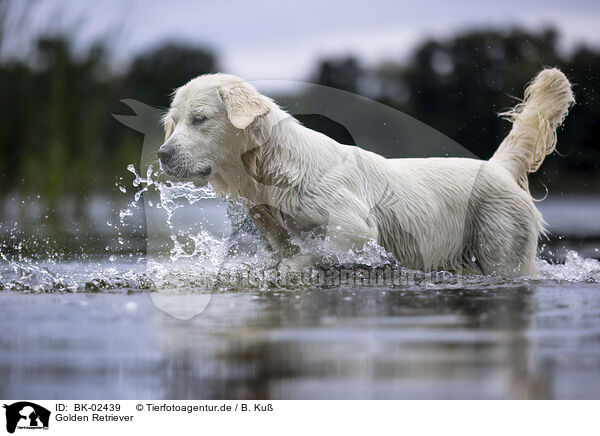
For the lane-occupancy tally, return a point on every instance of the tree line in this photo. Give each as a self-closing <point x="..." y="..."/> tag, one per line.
<point x="57" y="135"/>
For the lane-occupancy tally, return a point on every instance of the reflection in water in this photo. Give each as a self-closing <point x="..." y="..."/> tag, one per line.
<point x="530" y="341"/>
<point x="503" y="343"/>
<point x="360" y="344"/>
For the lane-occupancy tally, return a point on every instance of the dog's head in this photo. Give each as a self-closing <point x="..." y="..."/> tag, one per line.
<point x="205" y="126"/>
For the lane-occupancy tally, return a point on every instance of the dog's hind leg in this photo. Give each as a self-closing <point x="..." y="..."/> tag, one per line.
<point x="505" y="240"/>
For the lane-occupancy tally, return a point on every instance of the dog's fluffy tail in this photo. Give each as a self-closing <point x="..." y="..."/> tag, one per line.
<point x="533" y="135"/>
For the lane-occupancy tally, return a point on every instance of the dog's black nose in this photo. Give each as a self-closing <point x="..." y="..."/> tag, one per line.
<point x="165" y="153"/>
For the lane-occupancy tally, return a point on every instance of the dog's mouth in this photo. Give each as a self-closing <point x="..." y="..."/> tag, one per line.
<point x="183" y="173"/>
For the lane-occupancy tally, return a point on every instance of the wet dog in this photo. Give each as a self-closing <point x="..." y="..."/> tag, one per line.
<point x="435" y="213"/>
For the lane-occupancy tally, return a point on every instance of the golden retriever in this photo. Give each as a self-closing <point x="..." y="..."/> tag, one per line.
<point x="436" y="213"/>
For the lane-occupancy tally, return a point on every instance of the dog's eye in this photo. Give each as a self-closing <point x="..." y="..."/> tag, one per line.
<point x="199" y="119"/>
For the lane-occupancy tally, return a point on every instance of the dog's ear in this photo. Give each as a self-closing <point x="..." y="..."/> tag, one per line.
<point x="168" y="124"/>
<point x="243" y="104"/>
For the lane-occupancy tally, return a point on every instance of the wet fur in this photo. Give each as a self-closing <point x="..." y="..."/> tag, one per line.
<point x="451" y="213"/>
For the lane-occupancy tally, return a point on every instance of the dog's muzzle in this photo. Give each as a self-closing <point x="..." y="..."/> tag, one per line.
<point x="165" y="154"/>
<point x="176" y="168"/>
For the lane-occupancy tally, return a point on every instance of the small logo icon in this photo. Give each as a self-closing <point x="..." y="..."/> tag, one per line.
<point x="26" y="415"/>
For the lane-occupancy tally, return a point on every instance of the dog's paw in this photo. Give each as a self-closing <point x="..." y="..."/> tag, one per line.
<point x="297" y="262"/>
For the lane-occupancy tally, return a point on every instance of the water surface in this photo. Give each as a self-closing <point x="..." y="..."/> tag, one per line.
<point x="534" y="339"/>
<point x="86" y="326"/>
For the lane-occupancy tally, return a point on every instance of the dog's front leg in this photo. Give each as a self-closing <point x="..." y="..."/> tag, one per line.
<point x="278" y="237"/>
<point x="265" y="221"/>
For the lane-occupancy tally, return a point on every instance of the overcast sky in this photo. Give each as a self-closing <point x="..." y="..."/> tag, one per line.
<point x="274" y="39"/>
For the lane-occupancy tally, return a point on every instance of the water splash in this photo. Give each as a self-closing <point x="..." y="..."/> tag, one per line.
<point x="174" y="195"/>
<point x="198" y="260"/>
<point x="575" y="269"/>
